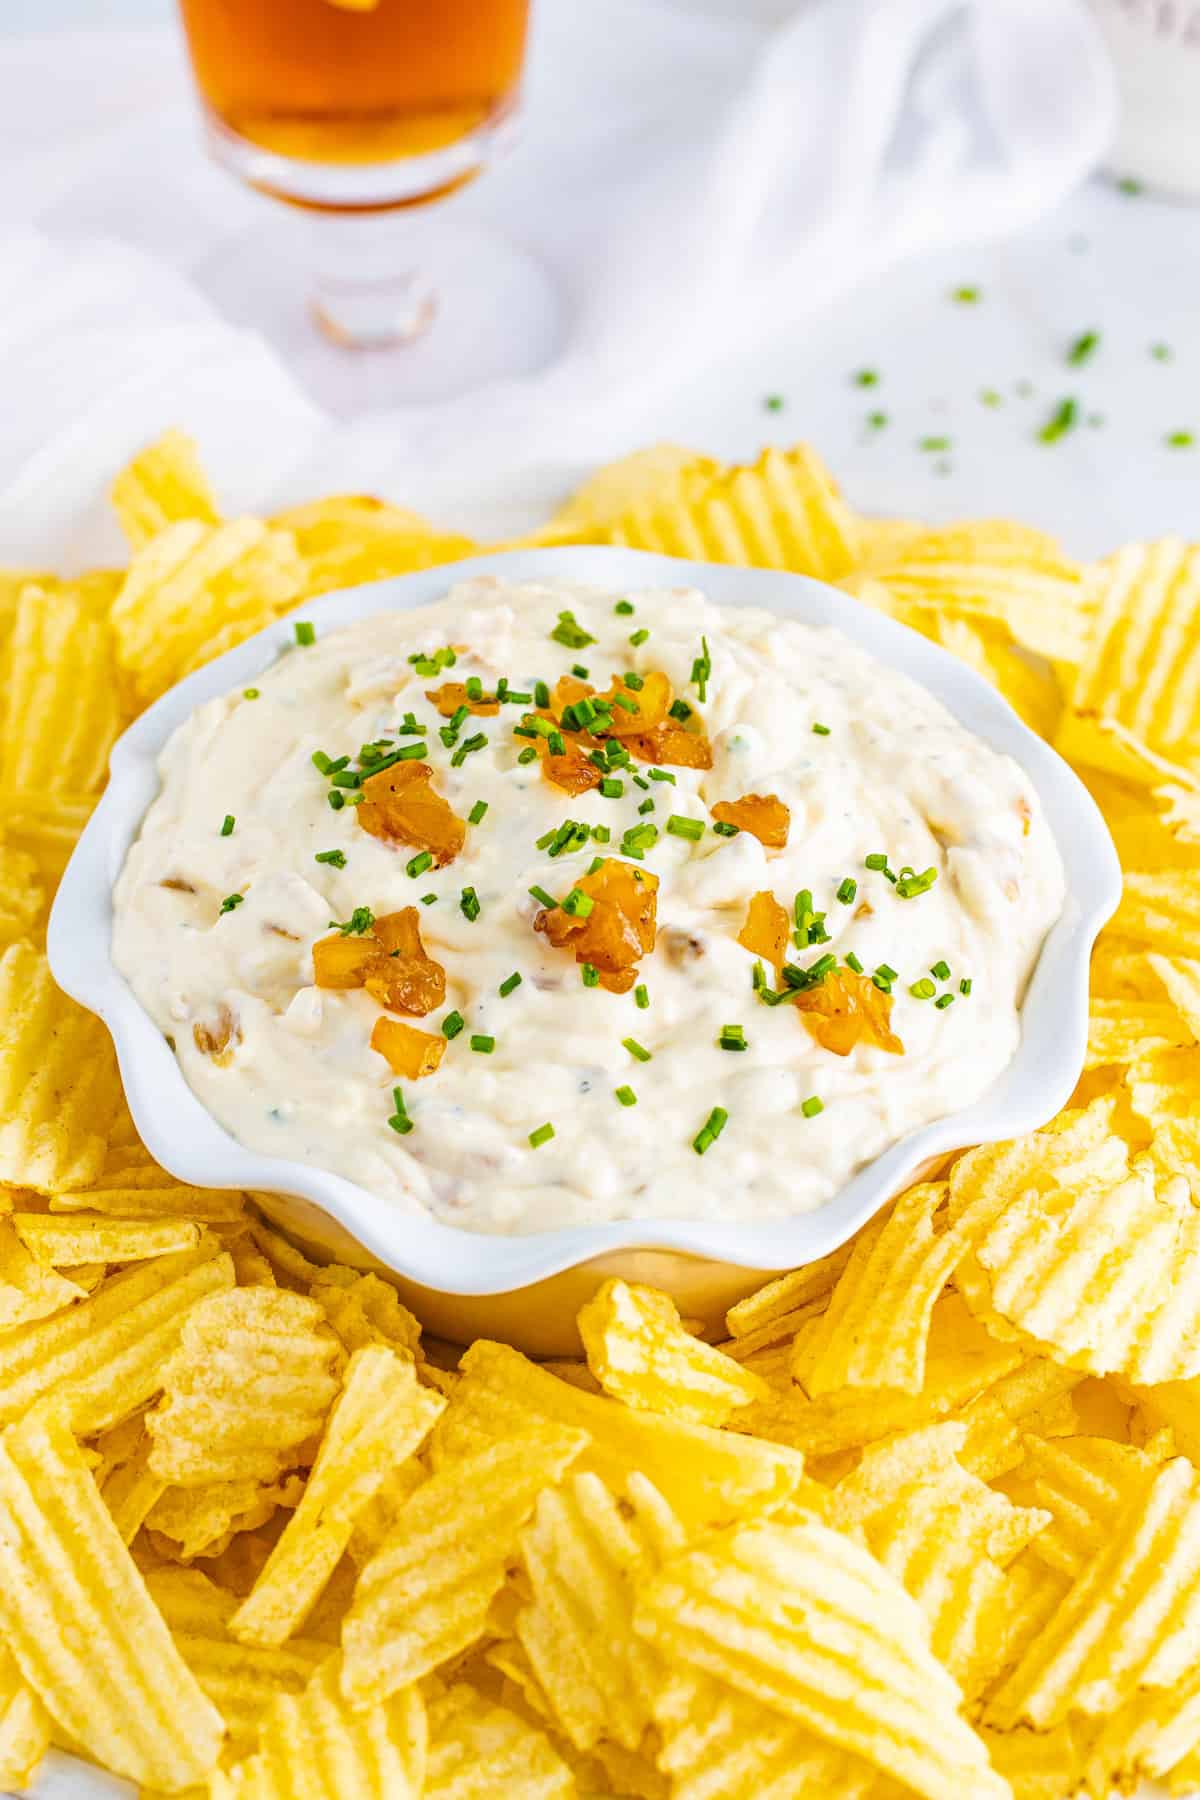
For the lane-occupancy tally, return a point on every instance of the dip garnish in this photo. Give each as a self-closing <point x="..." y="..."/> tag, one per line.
<point x="410" y="1052"/>
<point x="909" y="884"/>
<point x="766" y="930"/>
<point x="230" y="901"/>
<point x="217" y="1041"/>
<point x="1083" y="347"/>
<point x="468" y="902"/>
<point x="764" y="816"/>
<point x="305" y="632"/>
<point x="1064" y="418"/>
<point x="638" y="1051"/>
<point x="509" y="984"/>
<point x="710" y="1131"/>
<point x="478" y="813"/>
<point x="641" y="995"/>
<point x="335" y="858"/>
<point x="541" y="1136"/>
<point x="820" y="730"/>
<point x="812" y="1106"/>
<point x="702" y="670"/>
<point x="964" y="986"/>
<point x="385" y="956"/>
<point x="624" y="608"/>
<point x="435" y="662"/>
<point x="452" y="1024"/>
<point x="453" y="696"/>
<point x="637" y="638"/>
<point x="400" y="804"/>
<point x="626" y="1096"/>
<point x="360" y="920"/>
<point x="678" y="826"/>
<point x="618" y="927"/>
<point x="732" y="1037"/>
<point x="724" y="829"/>
<point x="483" y="1045"/>
<point x="227" y="825"/>
<point x="400" y="1121"/>
<point x="943" y="1001"/>
<point x="568" y="631"/>
<point x="843" y="1008"/>
<point x="846" y="891"/>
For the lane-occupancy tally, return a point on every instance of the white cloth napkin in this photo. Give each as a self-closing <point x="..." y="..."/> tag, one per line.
<point x="691" y="176"/>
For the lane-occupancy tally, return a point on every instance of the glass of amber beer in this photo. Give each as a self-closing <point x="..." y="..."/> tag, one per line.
<point x="358" y="108"/>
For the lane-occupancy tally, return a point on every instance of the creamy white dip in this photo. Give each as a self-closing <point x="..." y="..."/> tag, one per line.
<point x="893" y="772"/>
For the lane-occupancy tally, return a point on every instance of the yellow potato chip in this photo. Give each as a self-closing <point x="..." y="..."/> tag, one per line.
<point x="775" y="1312"/>
<point x="424" y="1596"/>
<point x="1031" y="690"/>
<point x="875" y="1330"/>
<point x="584" y="1557"/>
<point x="640" y="1353"/>
<point x="28" y="1289"/>
<point x="1146" y="1738"/>
<point x="1170" y="1406"/>
<point x="59" y="1087"/>
<point x="722" y="1745"/>
<point x="379" y="1419"/>
<point x="186" y="1522"/>
<point x="784" y="512"/>
<point x="136" y="1191"/>
<point x="241" y="1680"/>
<point x="292" y="1268"/>
<point x="1130" y="1621"/>
<point x="104" y="1357"/>
<point x="991" y="571"/>
<point x="1035" y="1396"/>
<point x="382" y="1512"/>
<point x="1075" y="1147"/>
<point x="635" y="481"/>
<point x="314" y="1746"/>
<point x="1163" y="1089"/>
<point x="24" y="1726"/>
<point x="58" y="1241"/>
<point x="368" y="1311"/>
<point x="162" y="485"/>
<point x="1139" y="684"/>
<point x="1180" y="976"/>
<point x="352" y="538"/>
<point x="60" y="706"/>
<point x="1120" y="1033"/>
<point x="45" y="827"/>
<point x="75" y="1614"/>
<point x="1161" y="911"/>
<point x="22" y="896"/>
<point x="193" y="582"/>
<point x="1038" y="1765"/>
<point x="704" y="1475"/>
<point x="962" y="1361"/>
<point x="130" y="1489"/>
<point x="805" y="1621"/>
<point x="252" y="1381"/>
<point x="480" y="1751"/>
<point x="1083" y="1484"/>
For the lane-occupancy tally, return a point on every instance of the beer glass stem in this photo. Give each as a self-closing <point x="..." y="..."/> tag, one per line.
<point x="368" y="291"/>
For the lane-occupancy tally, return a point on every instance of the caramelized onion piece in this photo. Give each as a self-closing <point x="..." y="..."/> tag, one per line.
<point x="220" y="1039"/>
<point x="619" y="930"/>
<point x="400" y="805"/>
<point x="671" y="745"/>
<point x="573" y="771"/>
<point x="767" y="929"/>
<point x="453" y="694"/>
<point x="764" y="816"/>
<point x="410" y="1052"/>
<point x="845" y="1008"/>
<point x="652" y="700"/>
<point x="567" y="690"/>
<point x="389" y="961"/>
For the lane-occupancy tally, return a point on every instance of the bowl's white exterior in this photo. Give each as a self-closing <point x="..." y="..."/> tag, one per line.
<point x="526" y="1289"/>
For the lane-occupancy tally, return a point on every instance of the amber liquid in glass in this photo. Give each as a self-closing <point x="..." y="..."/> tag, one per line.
<point x="323" y="82"/>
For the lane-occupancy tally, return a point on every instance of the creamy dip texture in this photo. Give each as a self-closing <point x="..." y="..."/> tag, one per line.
<point x="243" y="864"/>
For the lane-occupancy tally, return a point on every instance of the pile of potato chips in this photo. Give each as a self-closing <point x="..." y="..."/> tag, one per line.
<point x="928" y="1522"/>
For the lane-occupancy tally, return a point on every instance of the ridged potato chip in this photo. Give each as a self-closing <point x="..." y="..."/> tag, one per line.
<point x="104" y="1357"/>
<point x="783" y="512"/>
<point x="584" y="1557"/>
<point x="24" y="1725"/>
<point x="1083" y="1484"/>
<point x="130" y="1489"/>
<point x="60" y="702"/>
<point x="196" y="589"/>
<point x="1139" y="684"/>
<point x="1120" y="1033"/>
<point x="352" y="538"/>
<point x="163" y="484"/>
<point x="1038" y="1765"/>
<point x="639" y="1352"/>
<point x="252" y="1381"/>
<point x="774" y="1314"/>
<point x="379" y="1419"/>
<point x="59" y="1088"/>
<point x="368" y="1311"/>
<point x="76" y="1615"/>
<point x="314" y="1746"/>
<point x="1161" y="910"/>
<point x="58" y="1241"/>
<point x="479" y="1751"/>
<point x="704" y="1475"/>
<point x="424" y="1596"/>
<point x="22" y="896"/>
<point x="45" y="827"/>
<point x="186" y="1522"/>
<point x="1147" y="1738"/>
<point x="634" y="481"/>
<point x="28" y="1288"/>
<point x="1130" y="1621"/>
<point x="805" y="1621"/>
<point x="1180" y="977"/>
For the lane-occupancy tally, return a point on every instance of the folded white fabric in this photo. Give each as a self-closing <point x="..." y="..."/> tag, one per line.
<point x="689" y="174"/>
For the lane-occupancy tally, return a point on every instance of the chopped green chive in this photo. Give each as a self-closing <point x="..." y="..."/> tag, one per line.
<point x="923" y="989"/>
<point x="702" y="669"/>
<point x="934" y="444"/>
<point x="231" y="901"/>
<point x="336" y="799"/>
<point x="541" y="1136"/>
<point x="964" y="986"/>
<point x="640" y="781"/>
<point x="1161" y="352"/>
<point x="469" y="903"/>
<point x="528" y="755"/>
<point x="624" y="608"/>
<point x="540" y="894"/>
<point x="249" y="693"/>
<point x="335" y="858"/>
<point x="305" y="634"/>
<point x="641" y="995"/>
<point x="878" y="862"/>
<point x="965" y="296"/>
<point x="852" y="962"/>
<point x="723" y="828"/>
<point x="541" y="694"/>
<point x="1064" y="418"/>
<point x="483" y="1045"/>
<point x="877" y="420"/>
<point x="400" y="1121"/>
<point x="909" y="884"/>
<point x="638" y="839"/>
<point x="625" y="1096"/>
<point x="478" y="812"/>
<point x="1129" y="184"/>
<point x="941" y="969"/>
<point x="773" y="402"/>
<point x="681" y="710"/>
<point x="1084" y="346"/>
<point x="452" y="1024"/>
<point x="597" y="862"/>
<point x="578" y="670"/>
<point x="612" y="788"/>
<point x="732" y="1037"/>
<point x="943" y="1001"/>
<point x="812" y="1106"/>
<point x="887" y="973"/>
<point x="820" y="730"/>
<point x="847" y="890"/>
<point x="867" y="378"/>
<point x="1179" y="440"/>
<point x="577" y="904"/>
<point x="635" y="1049"/>
<point x="678" y="826"/>
<point x="710" y="1131"/>
<point x="227" y="825"/>
<point x="418" y="864"/>
<point x="360" y="921"/>
<point x="474" y="688"/>
<point x="509" y="985"/>
<point x="428" y="899"/>
<point x="638" y="637"/>
<point x="662" y="775"/>
<point x="647" y="806"/>
<point x="990" y="397"/>
<point x="570" y="633"/>
<point x="590" y="975"/>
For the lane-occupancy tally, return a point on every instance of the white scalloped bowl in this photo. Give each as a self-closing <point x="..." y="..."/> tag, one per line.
<point x="527" y="1290"/>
